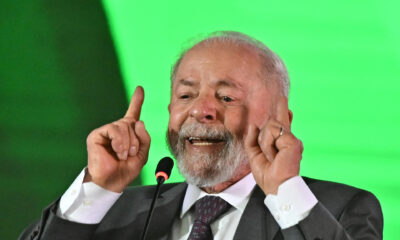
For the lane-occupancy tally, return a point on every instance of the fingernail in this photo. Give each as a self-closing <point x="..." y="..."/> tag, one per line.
<point x="125" y="155"/>
<point x="132" y="151"/>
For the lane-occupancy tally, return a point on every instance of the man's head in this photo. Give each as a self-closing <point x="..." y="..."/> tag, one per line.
<point x="219" y="86"/>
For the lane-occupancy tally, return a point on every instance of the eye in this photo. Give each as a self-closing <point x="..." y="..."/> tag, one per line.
<point x="226" y="99"/>
<point x="184" y="96"/>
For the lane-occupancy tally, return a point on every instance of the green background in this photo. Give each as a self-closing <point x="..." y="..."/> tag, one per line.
<point x="67" y="68"/>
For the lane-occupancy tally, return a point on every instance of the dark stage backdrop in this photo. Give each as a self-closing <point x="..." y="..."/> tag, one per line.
<point x="69" y="67"/>
<point x="59" y="79"/>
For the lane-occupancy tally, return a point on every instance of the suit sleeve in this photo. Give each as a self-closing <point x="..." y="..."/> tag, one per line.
<point x="50" y="226"/>
<point x="361" y="218"/>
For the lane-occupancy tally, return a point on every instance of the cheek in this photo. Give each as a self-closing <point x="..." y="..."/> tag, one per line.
<point x="259" y="110"/>
<point x="258" y="118"/>
<point x="177" y="117"/>
<point x="236" y="120"/>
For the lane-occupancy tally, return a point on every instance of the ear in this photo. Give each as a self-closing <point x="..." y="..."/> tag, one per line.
<point x="169" y="108"/>
<point x="290" y="116"/>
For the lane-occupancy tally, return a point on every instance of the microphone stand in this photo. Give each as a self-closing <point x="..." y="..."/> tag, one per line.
<point x="160" y="181"/>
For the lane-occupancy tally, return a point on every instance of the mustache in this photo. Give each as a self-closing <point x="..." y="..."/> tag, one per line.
<point x="202" y="131"/>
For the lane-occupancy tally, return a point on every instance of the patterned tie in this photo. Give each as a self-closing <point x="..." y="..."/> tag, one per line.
<point x="207" y="209"/>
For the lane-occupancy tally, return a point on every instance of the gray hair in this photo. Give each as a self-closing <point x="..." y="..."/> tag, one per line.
<point x="271" y="62"/>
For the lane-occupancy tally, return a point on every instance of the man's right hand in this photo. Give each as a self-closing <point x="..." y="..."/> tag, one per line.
<point x="118" y="151"/>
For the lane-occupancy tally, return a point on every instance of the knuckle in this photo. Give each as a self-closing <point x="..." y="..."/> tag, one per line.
<point x="120" y="127"/>
<point x="112" y="128"/>
<point x="266" y="146"/>
<point x="90" y="136"/>
<point x="128" y="120"/>
<point x="89" y="139"/>
<point x="301" y="146"/>
<point x="116" y="141"/>
<point x="272" y="122"/>
<point x="259" y="139"/>
<point x="126" y="123"/>
<point x="292" y="139"/>
<point x="115" y="123"/>
<point x="119" y="124"/>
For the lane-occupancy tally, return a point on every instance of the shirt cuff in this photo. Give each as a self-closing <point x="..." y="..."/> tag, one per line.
<point x="293" y="202"/>
<point x="86" y="202"/>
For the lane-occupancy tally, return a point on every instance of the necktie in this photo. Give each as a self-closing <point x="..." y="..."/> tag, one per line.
<point x="207" y="209"/>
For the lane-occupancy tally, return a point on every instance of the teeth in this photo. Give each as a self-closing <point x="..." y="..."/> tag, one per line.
<point x="202" y="143"/>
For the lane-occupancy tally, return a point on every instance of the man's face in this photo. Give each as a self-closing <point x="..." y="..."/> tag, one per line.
<point x="216" y="93"/>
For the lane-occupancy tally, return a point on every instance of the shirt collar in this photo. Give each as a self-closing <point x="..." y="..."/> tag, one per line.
<point x="236" y="195"/>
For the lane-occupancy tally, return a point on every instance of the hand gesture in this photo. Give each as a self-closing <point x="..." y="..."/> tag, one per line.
<point x="274" y="152"/>
<point x="118" y="151"/>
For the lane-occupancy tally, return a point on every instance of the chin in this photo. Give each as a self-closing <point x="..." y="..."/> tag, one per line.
<point x="207" y="170"/>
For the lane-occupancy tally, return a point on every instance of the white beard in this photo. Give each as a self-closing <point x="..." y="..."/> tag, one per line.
<point x="205" y="169"/>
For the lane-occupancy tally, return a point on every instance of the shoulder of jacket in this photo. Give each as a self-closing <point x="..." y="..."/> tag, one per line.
<point x="336" y="196"/>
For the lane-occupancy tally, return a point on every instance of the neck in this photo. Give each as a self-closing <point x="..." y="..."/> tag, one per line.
<point x="243" y="171"/>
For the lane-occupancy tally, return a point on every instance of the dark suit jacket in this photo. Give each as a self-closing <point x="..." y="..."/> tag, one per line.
<point x="343" y="212"/>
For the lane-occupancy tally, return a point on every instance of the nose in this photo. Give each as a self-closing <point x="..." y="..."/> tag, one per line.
<point x="204" y="109"/>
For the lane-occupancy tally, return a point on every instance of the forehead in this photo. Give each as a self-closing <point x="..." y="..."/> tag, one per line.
<point x="219" y="61"/>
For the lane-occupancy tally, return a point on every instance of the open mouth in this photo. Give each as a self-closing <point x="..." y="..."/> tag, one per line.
<point x="197" y="141"/>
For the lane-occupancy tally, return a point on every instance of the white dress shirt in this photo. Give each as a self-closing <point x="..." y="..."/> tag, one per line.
<point x="224" y="227"/>
<point x="88" y="203"/>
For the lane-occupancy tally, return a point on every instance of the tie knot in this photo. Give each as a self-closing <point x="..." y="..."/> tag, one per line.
<point x="209" y="208"/>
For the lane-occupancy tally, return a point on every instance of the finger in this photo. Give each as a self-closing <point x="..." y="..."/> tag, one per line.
<point x="282" y="112"/>
<point x="250" y="142"/>
<point x="290" y="153"/>
<point x="134" y="142"/>
<point x="288" y="140"/>
<point x="123" y="139"/>
<point x="144" y="139"/>
<point x="266" y="139"/>
<point x="135" y="105"/>
<point x="258" y="161"/>
<point x="110" y="134"/>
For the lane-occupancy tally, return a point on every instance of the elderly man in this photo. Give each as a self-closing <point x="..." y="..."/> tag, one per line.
<point x="230" y="131"/>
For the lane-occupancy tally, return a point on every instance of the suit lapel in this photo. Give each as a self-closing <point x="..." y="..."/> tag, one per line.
<point x="167" y="208"/>
<point x="256" y="221"/>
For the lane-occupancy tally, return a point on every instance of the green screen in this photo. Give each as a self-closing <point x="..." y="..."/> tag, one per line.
<point x="343" y="59"/>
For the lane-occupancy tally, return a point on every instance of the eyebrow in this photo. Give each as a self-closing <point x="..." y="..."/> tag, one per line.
<point x="186" y="82"/>
<point x="218" y="83"/>
<point x="227" y="83"/>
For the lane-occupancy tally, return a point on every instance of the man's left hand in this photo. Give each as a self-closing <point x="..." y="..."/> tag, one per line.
<point x="274" y="152"/>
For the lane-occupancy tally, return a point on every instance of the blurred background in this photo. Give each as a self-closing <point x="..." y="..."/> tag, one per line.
<point x="69" y="67"/>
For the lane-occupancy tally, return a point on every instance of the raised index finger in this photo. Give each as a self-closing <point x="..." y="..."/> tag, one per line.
<point x="282" y="112"/>
<point x="135" y="105"/>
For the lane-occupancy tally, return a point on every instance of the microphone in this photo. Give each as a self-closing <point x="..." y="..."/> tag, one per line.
<point x="163" y="171"/>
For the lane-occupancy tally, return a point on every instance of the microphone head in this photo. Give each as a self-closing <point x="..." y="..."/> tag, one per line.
<point x="164" y="168"/>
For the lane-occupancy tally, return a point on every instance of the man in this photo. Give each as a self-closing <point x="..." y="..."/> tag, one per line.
<point x="230" y="131"/>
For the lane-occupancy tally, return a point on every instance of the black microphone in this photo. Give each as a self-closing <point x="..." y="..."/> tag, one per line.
<point x="163" y="171"/>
